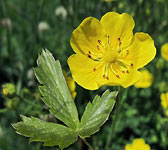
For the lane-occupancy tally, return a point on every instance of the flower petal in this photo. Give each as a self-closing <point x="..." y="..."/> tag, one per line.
<point x="118" y="26"/>
<point x="83" y="72"/>
<point x="145" y="81"/>
<point x="87" y="37"/>
<point x="141" y="51"/>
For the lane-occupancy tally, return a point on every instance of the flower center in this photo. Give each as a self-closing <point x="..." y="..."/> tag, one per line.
<point x="111" y="58"/>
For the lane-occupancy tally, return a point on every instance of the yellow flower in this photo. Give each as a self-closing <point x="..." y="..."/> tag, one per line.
<point x="145" y="81"/>
<point x="71" y="85"/>
<point x="138" y="144"/>
<point x="107" y="52"/>
<point x="164" y="100"/>
<point x="164" y="51"/>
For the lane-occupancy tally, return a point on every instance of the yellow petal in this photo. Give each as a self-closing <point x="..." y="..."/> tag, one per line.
<point x="87" y="37"/>
<point x="141" y="51"/>
<point x="145" y="81"/>
<point x="118" y="26"/>
<point x="164" y="51"/>
<point x="82" y="69"/>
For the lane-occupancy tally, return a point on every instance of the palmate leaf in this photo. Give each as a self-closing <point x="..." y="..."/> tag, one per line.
<point x="57" y="97"/>
<point x="55" y="92"/>
<point x="96" y="113"/>
<point x="49" y="133"/>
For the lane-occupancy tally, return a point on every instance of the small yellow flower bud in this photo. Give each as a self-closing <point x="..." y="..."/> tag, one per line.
<point x="8" y="89"/>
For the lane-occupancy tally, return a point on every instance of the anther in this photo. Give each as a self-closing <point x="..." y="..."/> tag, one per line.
<point x="94" y="69"/>
<point x="118" y="76"/>
<point x="104" y="76"/>
<point x="89" y="56"/>
<point x="89" y="52"/>
<point x="107" y="78"/>
<point x="123" y="71"/>
<point x="131" y="64"/>
<point x="127" y="71"/>
<point x="108" y="39"/>
<point x="99" y="41"/>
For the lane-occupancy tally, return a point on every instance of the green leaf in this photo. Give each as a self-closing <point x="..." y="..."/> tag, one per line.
<point x="96" y="113"/>
<point x="50" y="133"/>
<point x="55" y="92"/>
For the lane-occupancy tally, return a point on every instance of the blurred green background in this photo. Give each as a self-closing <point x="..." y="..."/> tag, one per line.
<point x="28" y="26"/>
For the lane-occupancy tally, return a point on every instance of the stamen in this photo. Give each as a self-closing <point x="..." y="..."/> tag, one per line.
<point x="94" y="69"/>
<point x="112" y="69"/>
<point x="104" y="76"/>
<point x="108" y="39"/>
<point x="127" y="71"/>
<point x="119" y="41"/>
<point x="107" y="78"/>
<point x="99" y="42"/>
<point x="89" y="52"/>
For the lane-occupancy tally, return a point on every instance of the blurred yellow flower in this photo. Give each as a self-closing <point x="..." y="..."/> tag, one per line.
<point x="107" y="52"/>
<point x="138" y="144"/>
<point x="164" y="102"/>
<point x="164" y="51"/>
<point x="145" y="81"/>
<point x="71" y="84"/>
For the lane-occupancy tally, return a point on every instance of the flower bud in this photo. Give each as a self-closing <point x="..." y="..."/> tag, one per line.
<point x="9" y="90"/>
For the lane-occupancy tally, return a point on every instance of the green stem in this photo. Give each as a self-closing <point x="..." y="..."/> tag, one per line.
<point x="115" y="117"/>
<point x="3" y="110"/>
<point x="29" y="102"/>
<point x="90" y="147"/>
<point x="114" y="120"/>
